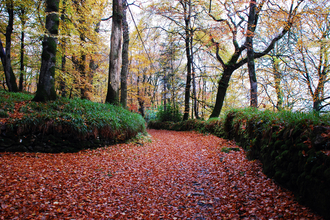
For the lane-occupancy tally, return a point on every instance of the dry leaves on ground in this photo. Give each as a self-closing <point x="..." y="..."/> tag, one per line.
<point x="180" y="175"/>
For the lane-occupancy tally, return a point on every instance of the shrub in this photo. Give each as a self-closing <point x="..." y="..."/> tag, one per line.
<point x="150" y="115"/>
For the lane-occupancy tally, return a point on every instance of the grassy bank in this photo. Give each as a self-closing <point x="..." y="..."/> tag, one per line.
<point x="57" y="123"/>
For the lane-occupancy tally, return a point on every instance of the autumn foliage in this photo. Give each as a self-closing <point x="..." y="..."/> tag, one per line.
<point x="180" y="175"/>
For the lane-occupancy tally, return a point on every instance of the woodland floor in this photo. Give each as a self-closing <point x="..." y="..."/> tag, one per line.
<point x="180" y="175"/>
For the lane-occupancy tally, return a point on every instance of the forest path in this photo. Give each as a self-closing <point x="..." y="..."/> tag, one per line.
<point x="180" y="175"/>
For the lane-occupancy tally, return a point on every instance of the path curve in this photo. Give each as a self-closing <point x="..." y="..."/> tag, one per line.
<point x="180" y="175"/>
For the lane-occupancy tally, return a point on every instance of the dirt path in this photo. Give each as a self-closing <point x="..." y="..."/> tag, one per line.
<point x="180" y="175"/>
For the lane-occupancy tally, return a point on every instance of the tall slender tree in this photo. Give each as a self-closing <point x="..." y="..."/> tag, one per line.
<point x="186" y="4"/>
<point x="124" y="68"/>
<point x="23" y="21"/>
<point x="252" y="24"/>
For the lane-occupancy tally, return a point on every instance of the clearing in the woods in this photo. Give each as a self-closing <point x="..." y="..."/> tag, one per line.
<point x="180" y="175"/>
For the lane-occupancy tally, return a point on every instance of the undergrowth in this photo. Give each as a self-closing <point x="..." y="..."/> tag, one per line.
<point x="81" y="117"/>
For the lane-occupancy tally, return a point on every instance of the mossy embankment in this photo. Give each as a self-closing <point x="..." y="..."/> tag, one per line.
<point x="64" y="125"/>
<point x="293" y="148"/>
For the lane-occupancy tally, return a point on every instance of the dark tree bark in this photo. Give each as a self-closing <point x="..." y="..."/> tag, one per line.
<point x="140" y="96"/>
<point x="124" y="68"/>
<point x="250" y="54"/>
<point x="10" y="77"/>
<point x="222" y="89"/>
<point x="63" y="43"/>
<point x="46" y="85"/>
<point x="83" y="76"/>
<point x="115" y="58"/>
<point x="187" y="13"/>
<point x="21" y="77"/>
<point x="3" y="58"/>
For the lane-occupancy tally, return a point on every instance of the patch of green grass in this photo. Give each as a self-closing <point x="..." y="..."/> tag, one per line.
<point x="8" y="99"/>
<point x="76" y="115"/>
<point x="283" y="117"/>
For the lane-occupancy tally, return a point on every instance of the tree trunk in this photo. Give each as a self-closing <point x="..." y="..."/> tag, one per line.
<point x="139" y="96"/>
<point x="21" y="78"/>
<point x="46" y="85"/>
<point x="84" y="83"/>
<point x="63" y="69"/>
<point x="278" y="88"/>
<point x="124" y="68"/>
<point x="193" y="78"/>
<point x="222" y="89"/>
<point x="10" y="77"/>
<point x="3" y="60"/>
<point x="115" y="59"/>
<point x="188" y="81"/>
<point x="250" y="55"/>
<point x="63" y="50"/>
<point x="165" y="90"/>
<point x="318" y="96"/>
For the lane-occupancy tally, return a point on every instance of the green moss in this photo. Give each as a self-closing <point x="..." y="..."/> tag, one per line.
<point x="285" y="153"/>
<point x="273" y="154"/>
<point x="51" y="45"/>
<point x="52" y="70"/>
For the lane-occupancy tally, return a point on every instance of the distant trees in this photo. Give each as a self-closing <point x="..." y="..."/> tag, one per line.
<point x="312" y="50"/>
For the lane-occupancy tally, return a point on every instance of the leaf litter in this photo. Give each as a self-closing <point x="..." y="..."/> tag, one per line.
<point x="180" y="175"/>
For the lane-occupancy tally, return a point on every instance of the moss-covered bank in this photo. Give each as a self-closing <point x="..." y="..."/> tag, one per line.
<point x="63" y="125"/>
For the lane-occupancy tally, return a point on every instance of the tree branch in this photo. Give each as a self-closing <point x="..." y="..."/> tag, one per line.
<point x="106" y="19"/>
<point x="217" y="52"/>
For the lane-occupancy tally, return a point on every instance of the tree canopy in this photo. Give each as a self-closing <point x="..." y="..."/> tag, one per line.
<point x="200" y="57"/>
